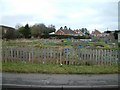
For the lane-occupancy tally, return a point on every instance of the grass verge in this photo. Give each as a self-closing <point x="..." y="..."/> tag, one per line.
<point x="57" y="69"/>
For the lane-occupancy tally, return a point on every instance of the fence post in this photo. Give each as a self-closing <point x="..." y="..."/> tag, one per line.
<point x="3" y="54"/>
<point x="98" y="57"/>
<point x="32" y="55"/>
<point x="110" y="57"/>
<point x="44" y="52"/>
<point x="29" y="56"/>
<point x="102" y="56"/>
<point x="79" y="56"/>
<point x="11" y="54"/>
<point x="93" y="57"/>
<point x="118" y="57"/>
<point x="60" y="56"/>
<point x="89" y="56"/>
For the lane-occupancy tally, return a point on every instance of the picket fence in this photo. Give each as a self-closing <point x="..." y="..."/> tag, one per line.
<point x="55" y="55"/>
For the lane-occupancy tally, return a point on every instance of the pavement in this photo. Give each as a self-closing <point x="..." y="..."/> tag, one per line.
<point x="60" y="81"/>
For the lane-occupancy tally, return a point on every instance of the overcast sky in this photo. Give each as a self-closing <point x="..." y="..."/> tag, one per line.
<point x="91" y="14"/>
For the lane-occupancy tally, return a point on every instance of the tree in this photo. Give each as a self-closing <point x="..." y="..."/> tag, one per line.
<point x="107" y="31"/>
<point x="82" y="30"/>
<point x="116" y="34"/>
<point x="43" y="29"/>
<point x="69" y="29"/>
<point x="61" y="28"/>
<point x="38" y="30"/>
<point x="25" y="31"/>
<point x="17" y="26"/>
<point x="65" y="28"/>
<point x="35" y="30"/>
<point x="21" y="30"/>
<point x="51" y="28"/>
<point x="85" y="31"/>
<point x="17" y="34"/>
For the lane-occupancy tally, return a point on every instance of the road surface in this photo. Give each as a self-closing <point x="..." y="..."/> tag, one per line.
<point x="59" y="80"/>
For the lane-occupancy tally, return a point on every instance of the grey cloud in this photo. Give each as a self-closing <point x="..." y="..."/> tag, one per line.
<point x="12" y="20"/>
<point x="107" y="15"/>
<point x="17" y="19"/>
<point x="119" y="15"/>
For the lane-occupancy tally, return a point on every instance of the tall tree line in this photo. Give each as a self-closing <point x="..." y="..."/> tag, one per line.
<point x="36" y="31"/>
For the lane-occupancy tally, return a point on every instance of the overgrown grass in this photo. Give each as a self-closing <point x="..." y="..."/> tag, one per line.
<point x="57" y="69"/>
<point x="50" y="43"/>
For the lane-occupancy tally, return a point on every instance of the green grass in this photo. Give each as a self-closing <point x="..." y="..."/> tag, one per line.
<point x="48" y="43"/>
<point x="57" y="69"/>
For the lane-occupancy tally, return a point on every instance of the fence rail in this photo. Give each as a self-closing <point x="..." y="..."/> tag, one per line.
<point x="68" y="56"/>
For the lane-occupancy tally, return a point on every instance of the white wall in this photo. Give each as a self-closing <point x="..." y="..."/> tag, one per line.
<point x="118" y="37"/>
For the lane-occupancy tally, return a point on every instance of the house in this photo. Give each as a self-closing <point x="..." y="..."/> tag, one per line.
<point x="96" y="33"/>
<point x="109" y="36"/>
<point x="65" y="32"/>
<point x="7" y="32"/>
<point x="78" y="32"/>
<point x="105" y="34"/>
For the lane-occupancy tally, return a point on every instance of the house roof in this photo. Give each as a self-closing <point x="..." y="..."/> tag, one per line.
<point x="68" y="31"/>
<point x="78" y="31"/>
<point x="96" y="32"/>
<point x="6" y="27"/>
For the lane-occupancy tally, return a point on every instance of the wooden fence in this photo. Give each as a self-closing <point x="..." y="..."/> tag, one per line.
<point x="66" y="56"/>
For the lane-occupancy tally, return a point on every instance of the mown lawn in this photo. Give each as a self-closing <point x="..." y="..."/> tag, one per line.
<point x="57" y="69"/>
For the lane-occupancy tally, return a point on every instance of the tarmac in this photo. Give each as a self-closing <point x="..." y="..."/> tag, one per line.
<point x="60" y="81"/>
